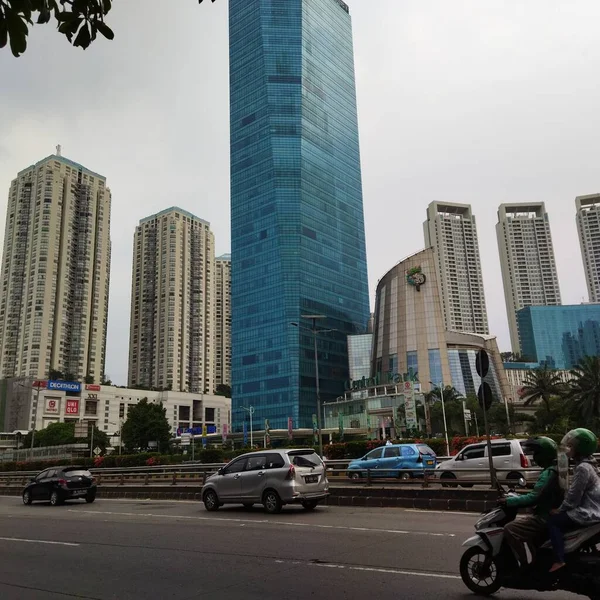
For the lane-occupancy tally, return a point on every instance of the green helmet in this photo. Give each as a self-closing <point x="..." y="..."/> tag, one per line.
<point x="544" y="450"/>
<point x="583" y="441"/>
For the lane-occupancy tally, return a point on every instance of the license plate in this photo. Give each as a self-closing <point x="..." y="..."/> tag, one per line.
<point x="79" y="492"/>
<point x="311" y="479"/>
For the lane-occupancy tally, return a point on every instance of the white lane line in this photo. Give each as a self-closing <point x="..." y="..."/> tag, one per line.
<point x="441" y="512"/>
<point x="266" y="522"/>
<point x="9" y="539"/>
<point x="370" y="569"/>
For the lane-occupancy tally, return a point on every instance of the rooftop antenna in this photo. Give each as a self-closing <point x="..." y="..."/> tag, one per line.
<point x="58" y="150"/>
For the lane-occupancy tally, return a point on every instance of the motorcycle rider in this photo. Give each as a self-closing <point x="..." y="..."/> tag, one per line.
<point x="546" y="495"/>
<point x="581" y="505"/>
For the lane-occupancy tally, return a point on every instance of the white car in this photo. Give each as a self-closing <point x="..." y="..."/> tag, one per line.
<point x="509" y="460"/>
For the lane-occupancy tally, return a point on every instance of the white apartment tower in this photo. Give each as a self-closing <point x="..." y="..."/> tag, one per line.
<point x="451" y="230"/>
<point x="527" y="261"/>
<point x="172" y="332"/>
<point x="55" y="272"/>
<point x="223" y="320"/>
<point x="588" y="227"/>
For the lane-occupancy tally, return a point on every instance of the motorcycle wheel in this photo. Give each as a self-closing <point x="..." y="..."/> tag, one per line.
<point x="479" y="578"/>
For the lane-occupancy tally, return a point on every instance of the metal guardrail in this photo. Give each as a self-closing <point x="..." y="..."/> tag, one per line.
<point x="197" y="473"/>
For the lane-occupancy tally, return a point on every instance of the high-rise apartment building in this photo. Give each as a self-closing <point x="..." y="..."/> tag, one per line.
<point x="451" y="230"/>
<point x="172" y="331"/>
<point x="588" y="227"/>
<point x="527" y="261"/>
<point x="223" y="320"/>
<point x="55" y="272"/>
<point x="297" y="225"/>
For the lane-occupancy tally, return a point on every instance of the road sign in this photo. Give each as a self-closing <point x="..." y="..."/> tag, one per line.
<point x="482" y="363"/>
<point x="81" y="430"/>
<point x="186" y="439"/>
<point x="485" y="396"/>
<point x="97" y="451"/>
<point x="468" y="415"/>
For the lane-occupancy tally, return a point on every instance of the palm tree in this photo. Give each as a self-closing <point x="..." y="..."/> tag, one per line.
<point x="541" y="384"/>
<point x="585" y="389"/>
<point x="450" y="393"/>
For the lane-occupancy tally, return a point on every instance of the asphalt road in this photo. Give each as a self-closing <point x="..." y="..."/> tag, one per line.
<point x="122" y="549"/>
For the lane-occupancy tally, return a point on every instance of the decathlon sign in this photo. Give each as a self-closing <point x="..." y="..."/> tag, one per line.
<point x="65" y="386"/>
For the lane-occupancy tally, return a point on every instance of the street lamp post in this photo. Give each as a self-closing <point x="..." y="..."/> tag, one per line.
<point x="441" y="386"/>
<point x="315" y="331"/>
<point x="250" y="411"/>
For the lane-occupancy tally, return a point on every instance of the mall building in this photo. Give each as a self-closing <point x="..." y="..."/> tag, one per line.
<point x="410" y="345"/>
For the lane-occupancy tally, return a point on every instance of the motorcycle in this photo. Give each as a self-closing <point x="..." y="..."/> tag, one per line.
<point x="489" y="563"/>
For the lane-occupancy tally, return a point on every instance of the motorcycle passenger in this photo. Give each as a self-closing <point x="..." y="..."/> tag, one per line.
<point x="546" y="495"/>
<point x="581" y="506"/>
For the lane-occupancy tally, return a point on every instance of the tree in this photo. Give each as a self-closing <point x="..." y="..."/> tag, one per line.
<point x="55" y="375"/>
<point x="542" y="384"/>
<point x="61" y="434"/>
<point x="88" y="379"/>
<point x="223" y="390"/>
<point x="146" y="422"/>
<point x="584" y="391"/>
<point x="79" y="21"/>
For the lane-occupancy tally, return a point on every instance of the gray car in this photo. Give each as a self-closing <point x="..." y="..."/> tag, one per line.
<point x="271" y="478"/>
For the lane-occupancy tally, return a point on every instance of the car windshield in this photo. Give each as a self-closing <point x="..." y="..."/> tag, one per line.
<point x="425" y="449"/>
<point x="305" y="459"/>
<point x="77" y="473"/>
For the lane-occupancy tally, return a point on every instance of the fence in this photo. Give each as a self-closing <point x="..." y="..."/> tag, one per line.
<point x="65" y="452"/>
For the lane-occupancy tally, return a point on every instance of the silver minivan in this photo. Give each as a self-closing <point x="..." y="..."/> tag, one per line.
<point x="508" y="458"/>
<point x="271" y="478"/>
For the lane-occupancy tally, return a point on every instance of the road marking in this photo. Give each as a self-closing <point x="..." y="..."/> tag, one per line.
<point x="267" y="522"/>
<point x="9" y="539"/>
<point x="369" y="569"/>
<point x="441" y="512"/>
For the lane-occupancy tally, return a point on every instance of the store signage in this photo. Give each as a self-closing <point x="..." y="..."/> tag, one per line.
<point x="72" y="407"/>
<point x="65" y="386"/>
<point x="40" y="384"/>
<point x="390" y="378"/>
<point x="196" y="430"/>
<point x="52" y="406"/>
<point x="92" y="387"/>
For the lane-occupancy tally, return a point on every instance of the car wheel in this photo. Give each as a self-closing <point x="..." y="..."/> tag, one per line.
<point x="447" y="478"/>
<point x="310" y="504"/>
<point x="248" y="505"/>
<point x="90" y="498"/>
<point x="55" y="498"/>
<point x="211" y="501"/>
<point x="27" y="497"/>
<point x="404" y="475"/>
<point x="272" y="502"/>
<point x="355" y="476"/>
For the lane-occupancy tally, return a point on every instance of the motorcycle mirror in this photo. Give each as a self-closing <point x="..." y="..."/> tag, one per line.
<point x="522" y="482"/>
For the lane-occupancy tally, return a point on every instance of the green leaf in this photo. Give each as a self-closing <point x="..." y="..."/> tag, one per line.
<point x="105" y="30"/>
<point x="18" y="43"/>
<point x="3" y="36"/>
<point x="106" y="6"/>
<point x="44" y="16"/>
<point x="83" y="38"/>
<point x="65" y="16"/>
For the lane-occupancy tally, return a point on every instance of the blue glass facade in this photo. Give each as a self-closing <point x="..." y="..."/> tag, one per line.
<point x="297" y="227"/>
<point x="559" y="336"/>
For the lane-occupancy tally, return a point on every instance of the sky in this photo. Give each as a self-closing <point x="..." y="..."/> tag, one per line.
<point x="465" y="101"/>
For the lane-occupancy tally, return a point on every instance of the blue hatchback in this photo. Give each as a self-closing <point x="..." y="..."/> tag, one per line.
<point x="386" y="461"/>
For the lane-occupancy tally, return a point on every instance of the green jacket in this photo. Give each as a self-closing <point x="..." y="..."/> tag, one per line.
<point x="545" y="495"/>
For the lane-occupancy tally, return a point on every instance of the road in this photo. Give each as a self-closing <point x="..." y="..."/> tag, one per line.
<point x="120" y="549"/>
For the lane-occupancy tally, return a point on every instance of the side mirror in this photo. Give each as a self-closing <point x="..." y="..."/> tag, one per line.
<point x="221" y="471"/>
<point x="522" y="483"/>
<point x="458" y="457"/>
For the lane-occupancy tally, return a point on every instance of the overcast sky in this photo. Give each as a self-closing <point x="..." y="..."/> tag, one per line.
<point x="464" y="101"/>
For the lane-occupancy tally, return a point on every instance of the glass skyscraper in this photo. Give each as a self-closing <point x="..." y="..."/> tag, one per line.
<point x="297" y="226"/>
<point x="559" y="336"/>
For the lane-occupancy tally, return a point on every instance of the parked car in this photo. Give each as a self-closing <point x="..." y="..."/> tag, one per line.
<point x="472" y="461"/>
<point x="390" y="461"/>
<point x="271" y="478"/>
<point x="58" y="484"/>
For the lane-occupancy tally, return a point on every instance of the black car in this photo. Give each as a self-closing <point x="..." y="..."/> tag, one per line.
<point x="58" y="484"/>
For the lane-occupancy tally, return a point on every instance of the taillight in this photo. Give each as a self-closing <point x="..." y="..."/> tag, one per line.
<point x="62" y="482"/>
<point x="524" y="462"/>
<point x="291" y="474"/>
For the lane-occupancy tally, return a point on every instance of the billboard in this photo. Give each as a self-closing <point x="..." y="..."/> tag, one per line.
<point x="52" y="406"/>
<point x="65" y="386"/>
<point x="92" y="387"/>
<point x="72" y="407"/>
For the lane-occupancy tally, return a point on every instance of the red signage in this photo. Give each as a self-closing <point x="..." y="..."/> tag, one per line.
<point x="40" y="384"/>
<point x="92" y="387"/>
<point x="72" y="407"/>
